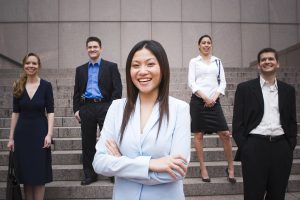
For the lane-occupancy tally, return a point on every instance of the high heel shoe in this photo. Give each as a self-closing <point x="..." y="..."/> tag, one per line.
<point x="205" y="180"/>
<point x="230" y="180"/>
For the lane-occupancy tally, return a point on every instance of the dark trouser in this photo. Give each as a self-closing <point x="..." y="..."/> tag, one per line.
<point x="91" y="115"/>
<point x="266" y="167"/>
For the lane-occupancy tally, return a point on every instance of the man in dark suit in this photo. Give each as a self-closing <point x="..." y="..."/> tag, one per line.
<point x="97" y="84"/>
<point x="264" y="128"/>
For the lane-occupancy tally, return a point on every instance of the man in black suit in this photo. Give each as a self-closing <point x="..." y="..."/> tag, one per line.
<point x="264" y="128"/>
<point x="97" y="84"/>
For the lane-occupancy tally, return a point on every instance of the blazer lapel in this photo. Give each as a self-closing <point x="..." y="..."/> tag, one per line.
<point x="135" y="124"/>
<point x="102" y="65"/>
<point x="281" y="96"/>
<point x="256" y="89"/>
<point x="85" y="74"/>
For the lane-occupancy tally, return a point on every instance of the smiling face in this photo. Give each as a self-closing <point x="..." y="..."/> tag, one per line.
<point x="31" y="66"/>
<point x="205" y="46"/>
<point x="94" y="50"/>
<point x="145" y="72"/>
<point x="268" y="64"/>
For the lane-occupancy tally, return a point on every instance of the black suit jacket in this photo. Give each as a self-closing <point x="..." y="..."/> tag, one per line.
<point x="109" y="82"/>
<point x="249" y="109"/>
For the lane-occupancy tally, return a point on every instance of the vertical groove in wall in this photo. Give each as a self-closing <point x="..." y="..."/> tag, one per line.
<point x="90" y="18"/>
<point x="151" y="19"/>
<point x="269" y="22"/>
<point x="211" y="21"/>
<point x="242" y="56"/>
<point x="58" y="36"/>
<point x="27" y="28"/>
<point x="181" y="29"/>
<point x="297" y="22"/>
<point x="120" y="24"/>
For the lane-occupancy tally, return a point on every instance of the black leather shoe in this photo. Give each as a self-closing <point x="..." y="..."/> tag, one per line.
<point x="230" y="180"/>
<point x="112" y="179"/>
<point x="88" y="181"/>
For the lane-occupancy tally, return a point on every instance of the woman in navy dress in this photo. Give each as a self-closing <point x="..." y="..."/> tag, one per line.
<point x="31" y="129"/>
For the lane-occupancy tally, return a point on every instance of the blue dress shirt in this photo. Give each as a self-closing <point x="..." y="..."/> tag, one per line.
<point x="92" y="88"/>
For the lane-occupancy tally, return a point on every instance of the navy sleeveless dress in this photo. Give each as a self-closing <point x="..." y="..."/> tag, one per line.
<point x="33" y="162"/>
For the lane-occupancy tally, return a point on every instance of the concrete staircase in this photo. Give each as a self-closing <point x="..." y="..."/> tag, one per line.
<point x="66" y="151"/>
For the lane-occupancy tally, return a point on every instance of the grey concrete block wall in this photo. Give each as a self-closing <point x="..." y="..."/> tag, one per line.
<point x="72" y="36"/>
<point x="226" y="11"/>
<point x="105" y="10"/>
<point x="283" y="11"/>
<point x="196" y="10"/>
<point x="283" y="35"/>
<point x="57" y="29"/>
<point x="14" y="11"/>
<point x="13" y="39"/>
<point x="130" y="9"/>
<point x="255" y="11"/>
<point x="228" y="43"/>
<point x="254" y="38"/>
<point x="73" y="10"/>
<point x="46" y="10"/>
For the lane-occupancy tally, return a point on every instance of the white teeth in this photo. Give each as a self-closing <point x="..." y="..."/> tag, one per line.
<point x="144" y="80"/>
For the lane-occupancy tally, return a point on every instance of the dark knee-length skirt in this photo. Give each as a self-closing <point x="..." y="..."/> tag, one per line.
<point x="204" y="119"/>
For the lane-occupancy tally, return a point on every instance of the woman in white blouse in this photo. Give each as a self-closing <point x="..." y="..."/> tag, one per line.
<point x="145" y="140"/>
<point x="206" y="78"/>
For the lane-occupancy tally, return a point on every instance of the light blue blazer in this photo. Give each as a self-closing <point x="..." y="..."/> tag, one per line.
<point x="133" y="180"/>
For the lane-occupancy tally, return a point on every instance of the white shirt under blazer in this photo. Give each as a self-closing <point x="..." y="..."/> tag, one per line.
<point x="133" y="180"/>
<point x="203" y="77"/>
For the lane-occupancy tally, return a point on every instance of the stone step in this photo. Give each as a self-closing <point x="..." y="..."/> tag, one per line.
<point x="74" y="172"/>
<point x="73" y="157"/>
<point x="288" y="196"/>
<point x="74" y="143"/>
<point x="103" y="188"/>
<point x="215" y="169"/>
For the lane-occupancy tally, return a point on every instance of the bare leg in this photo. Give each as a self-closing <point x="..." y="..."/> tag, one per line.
<point x="39" y="191"/>
<point x="198" y="141"/>
<point x="226" y="140"/>
<point x="28" y="190"/>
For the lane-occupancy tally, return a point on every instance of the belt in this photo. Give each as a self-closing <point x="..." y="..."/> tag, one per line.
<point x="270" y="138"/>
<point x="86" y="100"/>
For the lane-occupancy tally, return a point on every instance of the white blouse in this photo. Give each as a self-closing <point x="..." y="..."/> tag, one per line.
<point x="133" y="180"/>
<point x="203" y="77"/>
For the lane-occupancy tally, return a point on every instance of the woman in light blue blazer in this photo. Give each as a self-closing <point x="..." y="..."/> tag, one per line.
<point x="145" y="140"/>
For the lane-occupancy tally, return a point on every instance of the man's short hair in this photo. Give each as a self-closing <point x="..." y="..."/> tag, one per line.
<point x="267" y="50"/>
<point x="93" y="39"/>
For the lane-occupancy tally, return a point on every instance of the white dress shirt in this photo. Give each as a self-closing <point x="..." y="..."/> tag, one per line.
<point x="270" y="123"/>
<point x="203" y="77"/>
<point x="133" y="180"/>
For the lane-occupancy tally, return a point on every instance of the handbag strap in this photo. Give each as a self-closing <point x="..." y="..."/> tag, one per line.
<point x="218" y="65"/>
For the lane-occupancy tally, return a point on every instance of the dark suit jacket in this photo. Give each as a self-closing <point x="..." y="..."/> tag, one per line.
<point x="249" y="109"/>
<point x="109" y="82"/>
